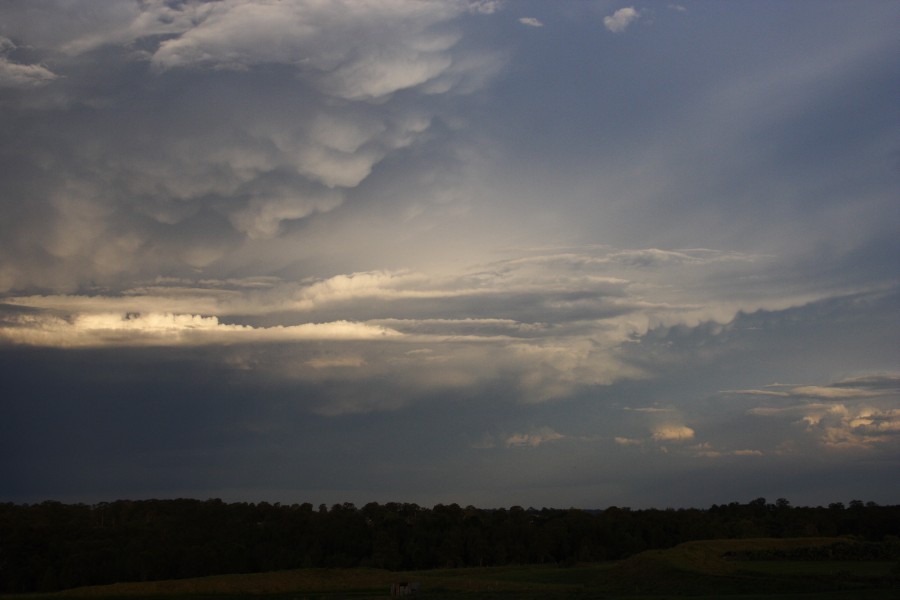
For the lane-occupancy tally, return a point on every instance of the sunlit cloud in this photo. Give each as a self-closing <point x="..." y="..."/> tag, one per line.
<point x="331" y="362"/>
<point x="167" y="329"/>
<point x="533" y="439"/>
<point x="853" y="414"/>
<point x="871" y="386"/>
<point x="554" y="325"/>
<point x="672" y="433"/>
<point x="626" y="441"/>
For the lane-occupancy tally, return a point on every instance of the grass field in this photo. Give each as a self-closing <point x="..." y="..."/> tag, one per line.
<point x="700" y="570"/>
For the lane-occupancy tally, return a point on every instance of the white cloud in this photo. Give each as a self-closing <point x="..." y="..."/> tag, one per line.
<point x="531" y="22"/>
<point x="621" y="19"/>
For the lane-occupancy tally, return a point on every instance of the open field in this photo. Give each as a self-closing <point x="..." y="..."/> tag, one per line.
<point x="696" y="569"/>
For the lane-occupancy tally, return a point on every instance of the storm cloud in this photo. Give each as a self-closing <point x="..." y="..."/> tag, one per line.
<point x="569" y="254"/>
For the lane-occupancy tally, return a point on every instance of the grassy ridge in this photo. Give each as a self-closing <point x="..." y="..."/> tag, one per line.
<point x="705" y="568"/>
<point x="696" y="569"/>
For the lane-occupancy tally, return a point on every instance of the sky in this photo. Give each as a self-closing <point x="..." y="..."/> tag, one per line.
<point x="549" y="254"/>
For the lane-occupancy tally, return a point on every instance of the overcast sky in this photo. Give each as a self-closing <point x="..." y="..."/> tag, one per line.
<point x="540" y="253"/>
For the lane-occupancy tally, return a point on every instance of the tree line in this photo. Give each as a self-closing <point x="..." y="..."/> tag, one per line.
<point x="51" y="546"/>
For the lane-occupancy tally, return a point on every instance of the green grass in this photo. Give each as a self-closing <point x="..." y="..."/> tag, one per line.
<point x="700" y="570"/>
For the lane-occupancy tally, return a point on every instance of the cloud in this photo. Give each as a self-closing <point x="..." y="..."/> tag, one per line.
<point x="530" y="22"/>
<point x="167" y="329"/>
<point x="485" y="7"/>
<point x="888" y="382"/>
<point x="831" y="393"/>
<point x="871" y="386"/>
<point x="853" y="414"/>
<point x="626" y="441"/>
<point x="263" y="215"/>
<point x="331" y="52"/>
<point x="706" y="450"/>
<point x="621" y="19"/>
<point x="545" y="326"/>
<point x="533" y="439"/>
<point x="339" y="362"/>
<point x="252" y="117"/>
<point x="251" y="217"/>
<point x="13" y="75"/>
<point x="672" y="433"/>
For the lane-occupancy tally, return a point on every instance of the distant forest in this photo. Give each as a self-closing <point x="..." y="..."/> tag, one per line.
<point x="52" y="546"/>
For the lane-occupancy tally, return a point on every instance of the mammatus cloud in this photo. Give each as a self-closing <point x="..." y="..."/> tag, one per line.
<point x="240" y="35"/>
<point x="621" y="19"/>
<point x="288" y="108"/>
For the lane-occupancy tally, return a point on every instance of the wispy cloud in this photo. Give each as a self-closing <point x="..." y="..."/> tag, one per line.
<point x="706" y="450"/>
<point x="531" y="22"/>
<point x="870" y="386"/>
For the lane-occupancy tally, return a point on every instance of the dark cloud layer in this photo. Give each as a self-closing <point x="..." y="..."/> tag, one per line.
<point x="449" y="251"/>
